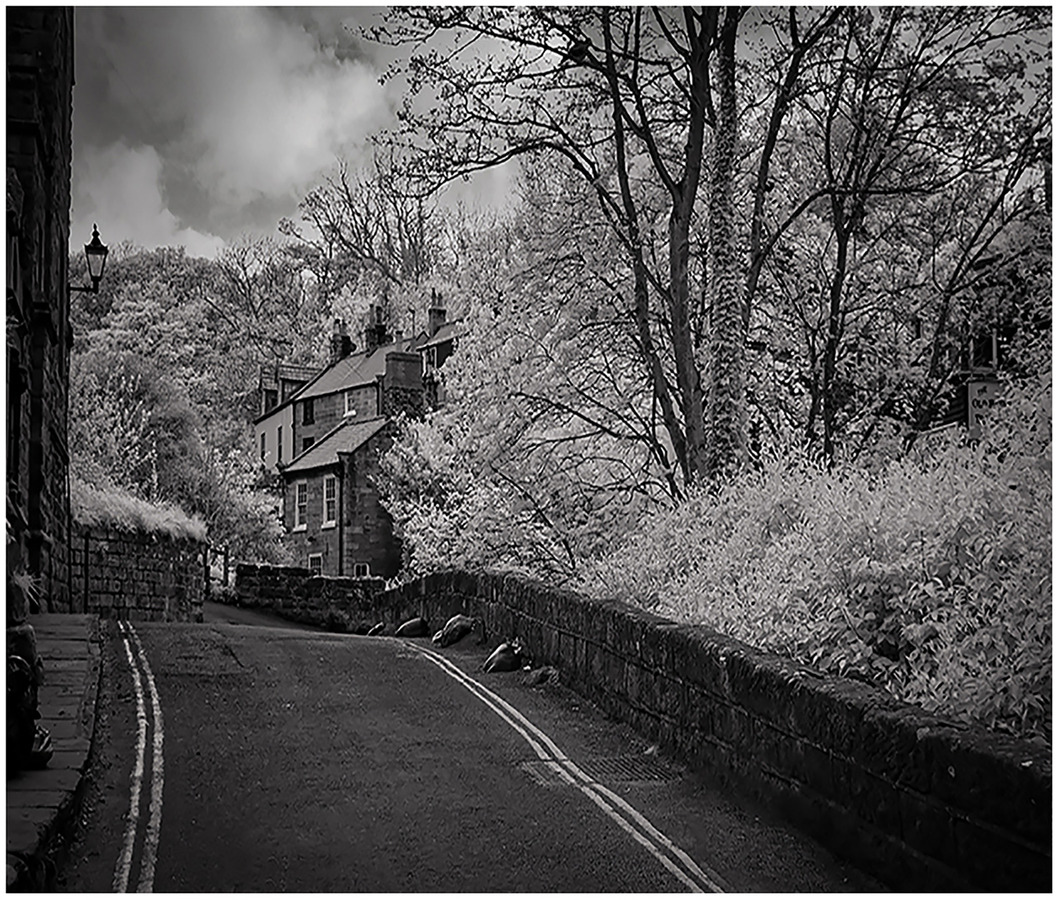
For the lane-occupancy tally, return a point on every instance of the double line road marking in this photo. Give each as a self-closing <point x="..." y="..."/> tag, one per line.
<point x="141" y="676"/>
<point x="675" y="860"/>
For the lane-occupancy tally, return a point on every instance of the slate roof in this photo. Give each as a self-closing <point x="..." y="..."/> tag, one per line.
<point x="346" y="437"/>
<point x="359" y="369"/>
<point x="445" y="333"/>
<point x="355" y="370"/>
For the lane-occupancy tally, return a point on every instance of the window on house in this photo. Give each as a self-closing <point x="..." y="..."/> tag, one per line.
<point x="307" y="443"/>
<point x="279" y="444"/>
<point x="983" y="351"/>
<point x="308" y="417"/>
<point x="330" y="500"/>
<point x="351" y="408"/>
<point x="316" y="563"/>
<point x="262" y="445"/>
<point x="301" y="505"/>
<point x="361" y="570"/>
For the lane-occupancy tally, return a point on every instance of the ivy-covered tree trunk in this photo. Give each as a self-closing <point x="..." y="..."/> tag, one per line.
<point x="726" y="448"/>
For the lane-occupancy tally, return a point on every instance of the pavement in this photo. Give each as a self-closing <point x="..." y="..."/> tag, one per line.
<point x="42" y="803"/>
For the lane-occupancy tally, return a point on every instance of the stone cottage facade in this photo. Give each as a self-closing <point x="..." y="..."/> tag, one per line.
<point x="335" y="522"/>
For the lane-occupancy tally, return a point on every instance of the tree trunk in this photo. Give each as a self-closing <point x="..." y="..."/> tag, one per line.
<point x="726" y="451"/>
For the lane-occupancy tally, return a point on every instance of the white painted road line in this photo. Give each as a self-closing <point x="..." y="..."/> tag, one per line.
<point x="148" y="857"/>
<point x="154" y="824"/>
<point x="675" y="860"/>
<point x="121" y="873"/>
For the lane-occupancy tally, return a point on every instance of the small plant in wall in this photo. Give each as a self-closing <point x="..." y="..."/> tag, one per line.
<point x="23" y="592"/>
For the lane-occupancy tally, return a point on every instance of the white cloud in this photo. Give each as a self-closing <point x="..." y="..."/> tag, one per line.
<point x="119" y="189"/>
<point x="248" y="104"/>
<point x="281" y="109"/>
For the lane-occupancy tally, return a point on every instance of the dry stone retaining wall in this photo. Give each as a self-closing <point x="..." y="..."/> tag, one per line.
<point x="345" y="605"/>
<point x="922" y="803"/>
<point x="136" y="576"/>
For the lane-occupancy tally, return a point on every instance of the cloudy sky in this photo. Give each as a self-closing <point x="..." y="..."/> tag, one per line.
<point x="195" y="125"/>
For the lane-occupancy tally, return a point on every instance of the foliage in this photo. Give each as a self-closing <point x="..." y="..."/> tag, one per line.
<point x="914" y="151"/>
<point x="447" y="516"/>
<point x="545" y="410"/>
<point x="930" y="578"/>
<point x="883" y="156"/>
<point x="621" y="99"/>
<point x="164" y="380"/>
<point x="114" y="508"/>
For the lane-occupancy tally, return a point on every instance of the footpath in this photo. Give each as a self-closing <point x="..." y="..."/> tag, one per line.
<point x="41" y="803"/>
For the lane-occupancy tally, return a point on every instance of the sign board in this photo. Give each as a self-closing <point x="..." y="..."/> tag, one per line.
<point x="981" y="397"/>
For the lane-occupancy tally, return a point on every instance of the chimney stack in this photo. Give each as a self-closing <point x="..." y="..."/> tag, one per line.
<point x="376" y="334"/>
<point x="436" y="313"/>
<point x="341" y="345"/>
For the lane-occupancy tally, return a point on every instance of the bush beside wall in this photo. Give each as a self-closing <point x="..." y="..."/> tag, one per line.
<point x="923" y="803"/>
<point x="136" y="575"/>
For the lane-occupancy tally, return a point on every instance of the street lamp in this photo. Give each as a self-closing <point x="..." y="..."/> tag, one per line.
<point x="96" y="254"/>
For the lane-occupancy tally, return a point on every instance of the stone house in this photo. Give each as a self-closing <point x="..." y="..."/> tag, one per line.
<point x="325" y="440"/>
<point x="40" y="81"/>
<point x="335" y="523"/>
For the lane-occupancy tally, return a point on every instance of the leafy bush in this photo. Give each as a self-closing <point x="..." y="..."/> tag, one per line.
<point x="930" y="577"/>
<point x="449" y="513"/>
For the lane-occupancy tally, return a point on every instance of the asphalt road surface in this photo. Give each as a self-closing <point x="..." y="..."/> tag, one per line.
<point x="256" y="756"/>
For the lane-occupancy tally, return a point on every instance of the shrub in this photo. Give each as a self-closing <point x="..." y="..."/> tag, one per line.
<point x="930" y="577"/>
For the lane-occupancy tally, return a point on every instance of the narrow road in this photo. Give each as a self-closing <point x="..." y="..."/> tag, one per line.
<point x="297" y="760"/>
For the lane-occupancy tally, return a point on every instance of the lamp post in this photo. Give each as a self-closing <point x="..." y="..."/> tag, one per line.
<point x="96" y="255"/>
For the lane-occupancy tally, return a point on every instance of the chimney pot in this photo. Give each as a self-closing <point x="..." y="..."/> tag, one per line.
<point x="436" y="313"/>
<point x="341" y="346"/>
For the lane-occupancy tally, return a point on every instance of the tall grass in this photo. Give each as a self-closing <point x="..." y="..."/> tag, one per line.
<point x="113" y="508"/>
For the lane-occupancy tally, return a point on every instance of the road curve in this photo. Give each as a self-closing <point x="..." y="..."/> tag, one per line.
<point x="304" y="761"/>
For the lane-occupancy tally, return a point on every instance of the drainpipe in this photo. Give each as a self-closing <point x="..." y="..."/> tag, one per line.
<point x="341" y="515"/>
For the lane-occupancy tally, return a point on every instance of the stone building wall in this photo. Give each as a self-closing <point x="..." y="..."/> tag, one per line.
<point x="39" y="117"/>
<point x="136" y="576"/>
<point x="368" y="527"/>
<point x="364" y="533"/>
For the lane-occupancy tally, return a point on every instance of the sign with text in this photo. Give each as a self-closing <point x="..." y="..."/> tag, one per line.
<point x="981" y="397"/>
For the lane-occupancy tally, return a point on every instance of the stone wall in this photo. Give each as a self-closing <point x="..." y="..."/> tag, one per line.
<point x="345" y="605"/>
<point x="922" y="803"/>
<point x="136" y="576"/>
